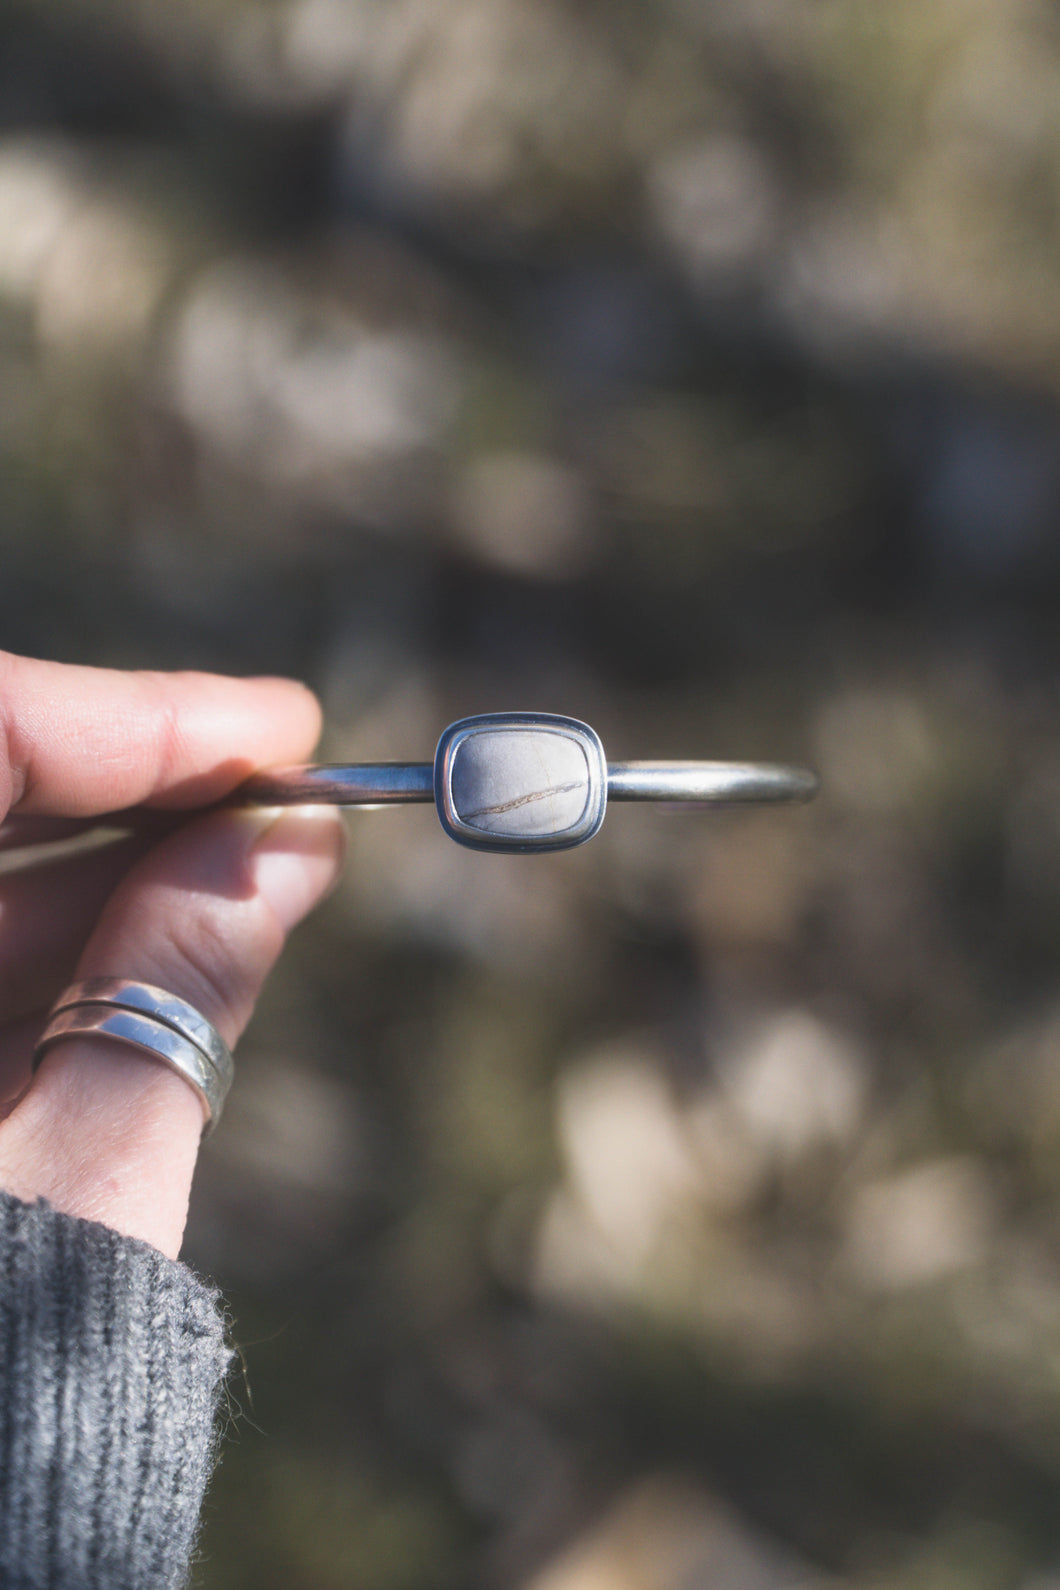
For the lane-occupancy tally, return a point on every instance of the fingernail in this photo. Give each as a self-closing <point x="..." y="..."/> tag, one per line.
<point x="297" y="859"/>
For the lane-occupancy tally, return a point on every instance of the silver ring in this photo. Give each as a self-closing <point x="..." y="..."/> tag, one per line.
<point x="525" y="782"/>
<point x="152" y="1021"/>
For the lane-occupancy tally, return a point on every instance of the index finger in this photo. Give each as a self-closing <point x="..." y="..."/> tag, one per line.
<point x="81" y="742"/>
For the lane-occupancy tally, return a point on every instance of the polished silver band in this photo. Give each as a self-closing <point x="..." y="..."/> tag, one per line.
<point x="402" y="783"/>
<point x="525" y="781"/>
<point x="150" y="1020"/>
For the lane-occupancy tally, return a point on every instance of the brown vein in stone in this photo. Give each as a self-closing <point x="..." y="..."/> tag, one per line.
<point x="521" y="800"/>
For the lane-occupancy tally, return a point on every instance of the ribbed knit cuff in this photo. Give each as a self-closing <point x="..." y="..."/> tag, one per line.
<point x="112" y="1360"/>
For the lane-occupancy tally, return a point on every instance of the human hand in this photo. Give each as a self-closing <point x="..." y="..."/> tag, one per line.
<point x="100" y="1131"/>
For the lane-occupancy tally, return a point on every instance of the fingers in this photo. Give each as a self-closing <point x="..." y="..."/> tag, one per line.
<point x="112" y="1135"/>
<point x="47" y="911"/>
<point x="77" y="742"/>
<point x="46" y="915"/>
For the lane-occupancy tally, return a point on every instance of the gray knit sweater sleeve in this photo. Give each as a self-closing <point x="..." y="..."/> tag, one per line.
<point x="112" y="1360"/>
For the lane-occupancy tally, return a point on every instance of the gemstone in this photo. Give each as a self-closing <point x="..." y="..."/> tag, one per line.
<point x="520" y="784"/>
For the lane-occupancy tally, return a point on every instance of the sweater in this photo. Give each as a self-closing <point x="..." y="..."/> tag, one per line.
<point x="112" y="1364"/>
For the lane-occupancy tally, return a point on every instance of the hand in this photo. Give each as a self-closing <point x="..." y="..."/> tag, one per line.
<point x="101" y="1131"/>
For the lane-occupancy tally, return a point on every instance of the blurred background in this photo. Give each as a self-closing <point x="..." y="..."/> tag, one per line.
<point x="681" y="1211"/>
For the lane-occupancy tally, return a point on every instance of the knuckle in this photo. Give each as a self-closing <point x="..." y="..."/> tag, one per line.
<point x="167" y="728"/>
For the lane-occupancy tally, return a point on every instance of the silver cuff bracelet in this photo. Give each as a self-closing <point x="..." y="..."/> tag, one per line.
<point x="524" y="782"/>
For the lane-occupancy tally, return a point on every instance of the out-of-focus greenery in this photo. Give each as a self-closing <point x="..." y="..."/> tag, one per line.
<point x="683" y="1210"/>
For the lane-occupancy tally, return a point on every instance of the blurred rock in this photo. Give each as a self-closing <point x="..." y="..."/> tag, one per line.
<point x="525" y="513"/>
<point x="667" y="1534"/>
<point x="877" y="750"/>
<point x="922" y="1225"/>
<point x="90" y="269"/>
<point x="1012" y="1091"/>
<point x="734" y="1161"/>
<point x="103" y="283"/>
<point x="795" y="1083"/>
<point x="630" y="1197"/>
<point x="626" y="1150"/>
<point x="300" y="392"/>
<point x="298" y="54"/>
<point x="841" y="282"/>
<point x="488" y="114"/>
<point x="39" y="194"/>
<point x="717" y="205"/>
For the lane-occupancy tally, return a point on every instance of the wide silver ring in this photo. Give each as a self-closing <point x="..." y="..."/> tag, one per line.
<point x="152" y="1021"/>
<point x="524" y="782"/>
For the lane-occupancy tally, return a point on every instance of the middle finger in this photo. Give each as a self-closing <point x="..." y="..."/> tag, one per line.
<point x="47" y="912"/>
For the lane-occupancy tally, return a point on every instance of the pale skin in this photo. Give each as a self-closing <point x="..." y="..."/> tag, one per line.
<point x="199" y="906"/>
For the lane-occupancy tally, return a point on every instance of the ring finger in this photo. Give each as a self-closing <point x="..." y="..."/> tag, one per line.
<point x="47" y="911"/>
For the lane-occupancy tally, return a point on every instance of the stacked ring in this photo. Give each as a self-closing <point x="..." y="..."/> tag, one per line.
<point x="152" y="1021"/>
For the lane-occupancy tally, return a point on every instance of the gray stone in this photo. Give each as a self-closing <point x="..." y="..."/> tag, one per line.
<point x="520" y="783"/>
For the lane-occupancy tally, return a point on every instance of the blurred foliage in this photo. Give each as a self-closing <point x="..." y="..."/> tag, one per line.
<point x="682" y="1210"/>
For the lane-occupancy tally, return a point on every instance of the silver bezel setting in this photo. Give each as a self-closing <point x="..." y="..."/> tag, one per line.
<point x="533" y="722"/>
